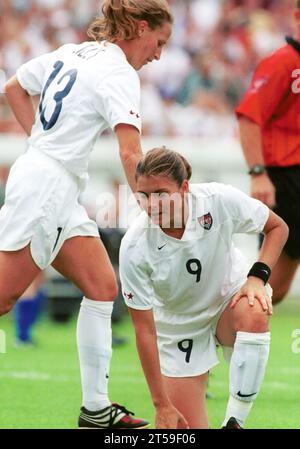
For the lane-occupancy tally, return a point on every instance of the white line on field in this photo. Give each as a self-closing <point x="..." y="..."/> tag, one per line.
<point x="35" y="375"/>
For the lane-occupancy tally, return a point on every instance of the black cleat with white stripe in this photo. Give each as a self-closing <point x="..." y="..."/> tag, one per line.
<point x="113" y="417"/>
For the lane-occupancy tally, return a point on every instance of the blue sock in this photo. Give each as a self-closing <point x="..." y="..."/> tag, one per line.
<point x="26" y="314"/>
<point x="38" y="300"/>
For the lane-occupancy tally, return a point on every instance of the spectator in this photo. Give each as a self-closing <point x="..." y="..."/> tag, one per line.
<point x="240" y="34"/>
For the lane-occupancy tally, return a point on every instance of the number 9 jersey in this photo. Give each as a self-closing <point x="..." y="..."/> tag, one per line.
<point x="83" y="90"/>
<point x="189" y="282"/>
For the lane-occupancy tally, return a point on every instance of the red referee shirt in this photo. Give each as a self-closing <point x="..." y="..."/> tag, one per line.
<point x="273" y="102"/>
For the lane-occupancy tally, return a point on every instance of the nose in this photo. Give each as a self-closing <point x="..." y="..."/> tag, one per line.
<point x="143" y="202"/>
<point x="157" y="54"/>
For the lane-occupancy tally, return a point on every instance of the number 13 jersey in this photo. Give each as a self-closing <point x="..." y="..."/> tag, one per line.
<point x="83" y="90"/>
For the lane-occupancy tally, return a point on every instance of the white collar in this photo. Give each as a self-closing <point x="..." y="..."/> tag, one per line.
<point x="114" y="48"/>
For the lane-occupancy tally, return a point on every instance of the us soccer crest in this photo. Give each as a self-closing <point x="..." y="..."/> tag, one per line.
<point x="206" y="221"/>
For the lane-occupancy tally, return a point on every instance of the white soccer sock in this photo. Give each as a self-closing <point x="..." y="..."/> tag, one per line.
<point x="94" y="348"/>
<point x="247" y="369"/>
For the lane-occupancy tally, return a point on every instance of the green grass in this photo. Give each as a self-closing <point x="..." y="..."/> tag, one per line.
<point x="40" y="387"/>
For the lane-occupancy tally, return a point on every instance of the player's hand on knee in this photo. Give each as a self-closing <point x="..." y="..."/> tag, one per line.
<point x="254" y="289"/>
<point x="168" y="417"/>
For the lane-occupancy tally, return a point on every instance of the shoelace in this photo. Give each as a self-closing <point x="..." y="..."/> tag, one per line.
<point x="115" y="409"/>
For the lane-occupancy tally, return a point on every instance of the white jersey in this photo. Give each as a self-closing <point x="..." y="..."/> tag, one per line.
<point x="193" y="276"/>
<point x="84" y="89"/>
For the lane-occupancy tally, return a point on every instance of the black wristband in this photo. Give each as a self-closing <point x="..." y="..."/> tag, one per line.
<point x="261" y="271"/>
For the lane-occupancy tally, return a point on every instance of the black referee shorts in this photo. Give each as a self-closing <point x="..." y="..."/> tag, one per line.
<point x="287" y="183"/>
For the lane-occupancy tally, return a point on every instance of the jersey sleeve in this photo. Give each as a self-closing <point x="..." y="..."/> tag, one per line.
<point x="269" y="85"/>
<point x="117" y="98"/>
<point x="247" y="214"/>
<point x="31" y="74"/>
<point x="137" y="290"/>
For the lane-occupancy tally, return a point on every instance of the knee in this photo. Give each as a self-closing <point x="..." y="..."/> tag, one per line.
<point x="108" y="291"/>
<point x="279" y="294"/>
<point x="281" y="284"/>
<point x="254" y="320"/>
<point x="111" y="291"/>
<point x="277" y="299"/>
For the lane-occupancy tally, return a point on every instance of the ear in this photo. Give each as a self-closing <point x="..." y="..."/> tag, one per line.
<point x="185" y="186"/>
<point x="142" y="27"/>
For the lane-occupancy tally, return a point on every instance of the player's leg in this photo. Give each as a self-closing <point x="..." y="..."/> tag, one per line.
<point x="282" y="276"/>
<point x="187" y="394"/>
<point x="84" y="261"/>
<point x="17" y="271"/>
<point x="244" y="328"/>
<point x="287" y="184"/>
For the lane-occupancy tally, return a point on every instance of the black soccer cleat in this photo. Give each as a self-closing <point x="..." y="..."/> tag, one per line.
<point x="113" y="417"/>
<point x="232" y="424"/>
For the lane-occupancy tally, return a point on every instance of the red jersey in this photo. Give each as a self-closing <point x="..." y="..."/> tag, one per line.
<point x="273" y="102"/>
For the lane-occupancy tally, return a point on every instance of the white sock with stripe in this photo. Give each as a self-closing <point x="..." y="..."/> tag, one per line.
<point x="247" y="369"/>
<point x="94" y="349"/>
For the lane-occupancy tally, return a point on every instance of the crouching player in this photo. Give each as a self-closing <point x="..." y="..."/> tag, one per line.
<point x="190" y="289"/>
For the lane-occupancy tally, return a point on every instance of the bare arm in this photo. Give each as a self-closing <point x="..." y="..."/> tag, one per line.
<point x="251" y="142"/>
<point x="167" y="417"/>
<point x="20" y="103"/>
<point x="276" y="233"/>
<point x="130" y="150"/>
<point x="250" y="135"/>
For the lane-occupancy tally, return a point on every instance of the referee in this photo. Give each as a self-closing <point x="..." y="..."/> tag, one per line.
<point x="269" y="122"/>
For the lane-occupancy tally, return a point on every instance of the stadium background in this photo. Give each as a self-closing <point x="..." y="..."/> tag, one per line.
<point x="188" y="98"/>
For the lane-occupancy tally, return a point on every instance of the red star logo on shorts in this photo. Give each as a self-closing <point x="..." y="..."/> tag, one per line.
<point x="128" y="296"/>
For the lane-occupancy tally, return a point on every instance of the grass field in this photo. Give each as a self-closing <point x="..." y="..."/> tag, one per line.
<point x="40" y="387"/>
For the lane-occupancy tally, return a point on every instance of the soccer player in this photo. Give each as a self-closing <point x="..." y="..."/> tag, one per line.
<point x="27" y="311"/>
<point x="270" y="137"/>
<point x="189" y="288"/>
<point x="83" y="90"/>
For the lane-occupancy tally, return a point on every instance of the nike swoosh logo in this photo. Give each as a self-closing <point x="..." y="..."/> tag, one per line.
<point x="245" y="395"/>
<point x="161" y="247"/>
<point x="58" y="234"/>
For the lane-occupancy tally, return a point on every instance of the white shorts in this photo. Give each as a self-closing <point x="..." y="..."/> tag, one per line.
<point x="188" y="346"/>
<point x="41" y="208"/>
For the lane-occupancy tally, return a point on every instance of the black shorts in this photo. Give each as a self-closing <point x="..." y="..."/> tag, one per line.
<point x="287" y="183"/>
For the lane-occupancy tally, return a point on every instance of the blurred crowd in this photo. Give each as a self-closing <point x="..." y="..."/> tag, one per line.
<point x="204" y="70"/>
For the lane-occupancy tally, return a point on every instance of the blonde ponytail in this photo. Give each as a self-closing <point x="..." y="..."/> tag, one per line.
<point x="120" y="18"/>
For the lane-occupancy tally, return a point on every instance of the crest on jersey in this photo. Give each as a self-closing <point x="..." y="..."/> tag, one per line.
<point x="206" y="221"/>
